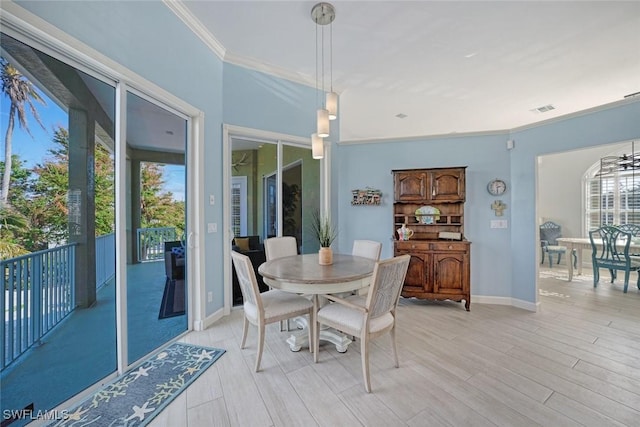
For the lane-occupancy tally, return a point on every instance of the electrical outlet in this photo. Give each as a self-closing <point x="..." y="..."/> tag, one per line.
<point x="212" y="227"/>
<point x="210" y="297"/>
<point x="212" y="199"/>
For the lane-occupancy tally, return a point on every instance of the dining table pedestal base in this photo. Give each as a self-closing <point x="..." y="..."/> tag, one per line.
<point x="300" y="338"/>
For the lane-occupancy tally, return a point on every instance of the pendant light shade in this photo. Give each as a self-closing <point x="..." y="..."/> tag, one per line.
<point x="317" y="146"/>
<point x="332" y="105"/>
<point x="323" y="123"/>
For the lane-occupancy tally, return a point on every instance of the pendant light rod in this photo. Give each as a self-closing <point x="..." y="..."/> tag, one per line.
<point x="323" y="14"/>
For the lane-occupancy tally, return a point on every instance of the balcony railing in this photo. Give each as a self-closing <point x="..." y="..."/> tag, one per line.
<point x="151" y="242"/>
<point x="37" y="293"/>
<point x="49" y="273"/>
<point x="105" y="259"/>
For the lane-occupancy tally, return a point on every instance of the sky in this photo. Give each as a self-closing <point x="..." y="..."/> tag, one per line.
<point x="33" y="149"/>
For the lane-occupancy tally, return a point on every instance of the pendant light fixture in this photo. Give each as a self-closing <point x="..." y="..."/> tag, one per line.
<point x="317" y="146"/>
<point x="323" y="14"/>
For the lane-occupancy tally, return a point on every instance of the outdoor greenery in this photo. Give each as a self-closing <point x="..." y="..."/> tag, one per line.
<point x="21" y="94"/>
<point x="37" y="214"/>
<point x="34" y="213"/>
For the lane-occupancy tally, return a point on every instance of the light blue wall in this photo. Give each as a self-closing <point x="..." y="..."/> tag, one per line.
<point x="257" y="100"/>
<point x="486" y="157"/>
<point x="503" y="261"/>
<point x="615" y="124"/>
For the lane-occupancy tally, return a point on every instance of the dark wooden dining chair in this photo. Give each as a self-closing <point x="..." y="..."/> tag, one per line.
<point x="373" y="319"/>
<point x="610" y="250"/>
<point x="261" y="309"/>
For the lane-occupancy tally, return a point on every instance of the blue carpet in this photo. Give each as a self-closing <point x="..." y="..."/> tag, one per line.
<point x="136" y="397"/>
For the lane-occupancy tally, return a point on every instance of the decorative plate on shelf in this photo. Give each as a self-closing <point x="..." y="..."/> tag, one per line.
<point x="427" y="215"/>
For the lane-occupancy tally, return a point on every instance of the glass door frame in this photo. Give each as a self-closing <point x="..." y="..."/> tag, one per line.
<point x="230" y="132"/>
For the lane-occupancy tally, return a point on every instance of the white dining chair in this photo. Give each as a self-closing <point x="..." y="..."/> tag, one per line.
<point x="366" y="249"/>
<point x="375" y="318"/>
<point x="278" y="247"/>
<point x="261" y="309"/>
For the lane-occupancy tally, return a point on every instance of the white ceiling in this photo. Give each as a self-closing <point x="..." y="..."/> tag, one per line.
<point x="449" y="66"/>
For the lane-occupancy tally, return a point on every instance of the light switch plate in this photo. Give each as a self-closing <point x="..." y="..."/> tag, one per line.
<point x="499" y="223"/>
<point x="212" y="227"/>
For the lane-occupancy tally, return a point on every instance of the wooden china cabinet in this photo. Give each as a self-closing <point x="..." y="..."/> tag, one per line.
<point x="431" y="203"/>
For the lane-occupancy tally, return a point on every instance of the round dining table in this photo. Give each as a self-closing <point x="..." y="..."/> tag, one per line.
<point x="302" y="274"/>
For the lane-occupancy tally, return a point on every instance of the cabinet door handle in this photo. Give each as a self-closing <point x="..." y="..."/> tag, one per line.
<point x="433" y="192"/>
<point x="450" y="247"/>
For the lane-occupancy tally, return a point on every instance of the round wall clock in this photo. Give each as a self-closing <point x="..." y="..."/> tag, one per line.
<point x="496" y="187"/>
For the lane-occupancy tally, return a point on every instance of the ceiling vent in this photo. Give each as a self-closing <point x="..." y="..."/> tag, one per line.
<point x="401" y="116"/>
<point x="544" y="109"/>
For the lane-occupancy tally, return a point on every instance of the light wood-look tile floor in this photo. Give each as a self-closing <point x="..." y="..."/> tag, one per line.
<point x="574" y="362"/>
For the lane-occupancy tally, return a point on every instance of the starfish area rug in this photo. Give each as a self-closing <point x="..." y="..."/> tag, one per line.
<point x="136" y="397"/>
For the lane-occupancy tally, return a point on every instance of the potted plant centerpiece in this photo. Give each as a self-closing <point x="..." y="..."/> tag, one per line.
<point x="326" y="233"/>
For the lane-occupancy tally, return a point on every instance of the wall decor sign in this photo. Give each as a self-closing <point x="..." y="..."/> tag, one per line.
<point x="367" y="196"/>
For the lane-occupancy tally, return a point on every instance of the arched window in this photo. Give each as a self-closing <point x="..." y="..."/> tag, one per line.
<point x="612" y="192"/>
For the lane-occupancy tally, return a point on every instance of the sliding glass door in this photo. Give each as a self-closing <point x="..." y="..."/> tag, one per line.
<point x="57" y="258"/>
<point x="60" y="263"/>
<point x="156" y="225"/>
<point x="280" y="193"/>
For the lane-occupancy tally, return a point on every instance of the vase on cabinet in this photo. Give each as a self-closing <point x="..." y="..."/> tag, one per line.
<point x="404" y="233"/>
<point x="325" y="256"/>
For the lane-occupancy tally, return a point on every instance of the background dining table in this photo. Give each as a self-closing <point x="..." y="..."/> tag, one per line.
<point x="581" y="243"/>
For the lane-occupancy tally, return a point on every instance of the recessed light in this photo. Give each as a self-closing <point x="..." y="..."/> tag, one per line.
<point x="168" y="132"/>
<point x="471" y="55"/>
<point x="401" y="115"/>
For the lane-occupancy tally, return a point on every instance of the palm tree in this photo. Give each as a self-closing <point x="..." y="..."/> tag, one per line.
<point x="20" y="92"/>
<point x="10" y="222"/>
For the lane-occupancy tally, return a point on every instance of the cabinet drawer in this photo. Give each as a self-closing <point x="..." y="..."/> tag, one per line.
<point x="415" y="245"/>
<point x="449" y="246"/>
<point x="431" y="245"/>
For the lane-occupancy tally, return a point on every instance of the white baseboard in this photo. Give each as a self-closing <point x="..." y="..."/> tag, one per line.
<point x="526" y="305"/>
<point x="201" y="325"/>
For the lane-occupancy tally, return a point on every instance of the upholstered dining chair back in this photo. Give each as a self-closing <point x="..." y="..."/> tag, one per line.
<point x="367" y="249"/>
<point x="375" y="318"/>
<point x="278" y="247"/>
<point x="272" y="306"/>
<point x="247" y="280"/>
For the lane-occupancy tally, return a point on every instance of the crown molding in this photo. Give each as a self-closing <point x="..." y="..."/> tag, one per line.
<point x="196" y="26"/>
<point x="254" y="64"/>
<point x="193" y="23"/>
<point x="425" y="137"/>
